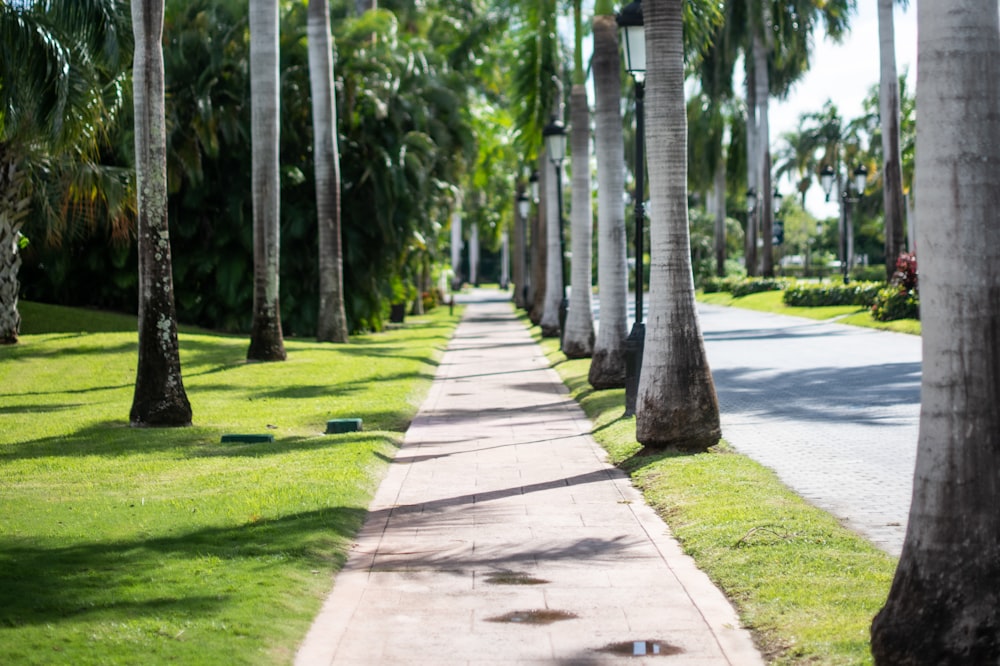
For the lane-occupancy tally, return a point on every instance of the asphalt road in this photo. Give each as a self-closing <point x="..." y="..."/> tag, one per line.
<point x="832" y="409"/>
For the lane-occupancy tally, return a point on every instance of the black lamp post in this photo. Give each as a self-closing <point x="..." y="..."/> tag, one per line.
<point x="634" y="41"/>
<point x="555" y="145"/>
<point x="778" y="236"/>
<point x="523" y="209"/>
<point x="826" y="178"/>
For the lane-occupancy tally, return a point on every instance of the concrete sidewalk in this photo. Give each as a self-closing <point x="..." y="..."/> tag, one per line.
<point x="500" y="535"/>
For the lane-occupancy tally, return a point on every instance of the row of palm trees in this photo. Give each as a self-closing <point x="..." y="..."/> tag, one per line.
<point x="773" y="39"/>
<point x="942" y="606"/>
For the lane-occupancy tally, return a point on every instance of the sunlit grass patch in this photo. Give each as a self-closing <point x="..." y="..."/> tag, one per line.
<point x="123" y="545"/>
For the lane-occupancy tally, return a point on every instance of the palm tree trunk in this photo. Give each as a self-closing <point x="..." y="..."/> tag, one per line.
<point x="331" y="325"/>
<point x="554" y="289"/>
<point x="763" y="155"/>
<point x="518" y="274"/>
<point x="677" y="405"/>
<point x="892" y="179"/>
<point x="607" y="367"/>
<point x="943" y="604"/>
<point x="266" y="341"/>
<point x="474" y="255"/>
<point x="753" y="174"/>
<point x="719" y="195"/>
<point x="14" y="206"/>
<point x="159" y="398"/>
<point x="539" y="242"/>
<point x="456" y="248"/>
<point x="578" y="341"/>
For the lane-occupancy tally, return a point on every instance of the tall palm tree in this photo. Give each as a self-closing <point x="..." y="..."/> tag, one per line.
<point x="942" y="606"/>
<point x="266" y="341"/>
<point x="62" y="67"/>
<point x="892" y="176"/>
<point x="776" y="53"/>
<point x="796" y="158"/>
<point x="554" y="287"/>
<point x="676" y="405"/>
<point x="331" y="323"/>
<point x="578" y="338"/>
<point x="159" y="398"/>
<point x="540" y="243"/>
<point x="535" y="72"/>
<point x="607" y="367"/>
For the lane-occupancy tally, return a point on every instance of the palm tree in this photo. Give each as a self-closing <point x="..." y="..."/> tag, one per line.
<point x="676" y="405"/>
<point x="554" y="288"/>
<point x="796" y="159"/>
<point x="540" y="243"/>
<point x="62" y="64"/>
<point x="536" y="71"/>
<point x="942" y="606"/>
<point x="332" y="322"/>
<point x="266" y="341"/>
<point x="776" y="53"/>
<point x="607" y="367"/>
<point x="159" y="398"/>
<point x="892" y="177"/>
<point x="578" y="338"/>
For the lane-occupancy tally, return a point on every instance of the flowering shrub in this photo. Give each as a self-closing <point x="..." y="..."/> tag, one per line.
<point x="901" y="299"/>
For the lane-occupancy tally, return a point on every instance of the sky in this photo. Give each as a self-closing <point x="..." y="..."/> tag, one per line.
<point x="844" y="73"/>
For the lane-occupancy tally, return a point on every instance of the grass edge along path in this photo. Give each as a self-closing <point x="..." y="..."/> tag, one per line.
<point x="124" y="546"/>
<point x="806" y="586"/>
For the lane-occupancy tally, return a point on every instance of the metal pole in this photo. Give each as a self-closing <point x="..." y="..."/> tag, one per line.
<point x="845" y="220"/>
<point x="635" y="342"/>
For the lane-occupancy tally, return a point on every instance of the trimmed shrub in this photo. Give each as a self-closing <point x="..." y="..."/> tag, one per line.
<point x="823" y="294"/>
<point x="712" y="285"/>
<point x="748" y="286"/>
<point x="894" y="303"/>
<point x="873" y="273"/>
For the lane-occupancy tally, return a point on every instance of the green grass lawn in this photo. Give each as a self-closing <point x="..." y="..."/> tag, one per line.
<point x="806" y="586"/>
<point x="771" y="301"/>
<point x="143" y="546"/>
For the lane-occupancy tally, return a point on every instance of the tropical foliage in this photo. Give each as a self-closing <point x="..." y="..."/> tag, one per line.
<point x="410" y="116"/>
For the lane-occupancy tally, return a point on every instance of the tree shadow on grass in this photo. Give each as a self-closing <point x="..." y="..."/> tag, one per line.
<point x="117" y="438"/>
<point x="44" y="581"/>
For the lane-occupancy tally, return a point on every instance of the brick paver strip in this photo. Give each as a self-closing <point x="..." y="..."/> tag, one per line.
<point x="499" y="514"/>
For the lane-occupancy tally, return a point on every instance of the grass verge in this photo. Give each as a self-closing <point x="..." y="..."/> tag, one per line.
<point x="128" y="546"/>
<point x="771" y="301"/>
<point x="806" y="586"/>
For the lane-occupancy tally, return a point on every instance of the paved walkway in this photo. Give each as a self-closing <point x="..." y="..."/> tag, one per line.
<point x="500" y="535"/>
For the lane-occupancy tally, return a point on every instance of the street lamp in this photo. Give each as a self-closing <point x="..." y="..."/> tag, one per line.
<point x="533" y="183"/>
<point x="634" y="39"/>
<point x="555" y="145"/>
<point x="860" y="180"/>
<point x="778" y="232"/>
